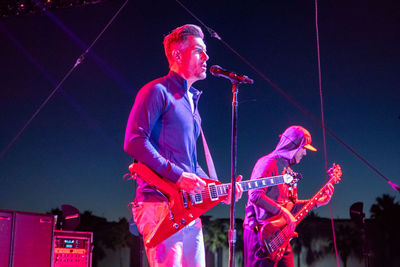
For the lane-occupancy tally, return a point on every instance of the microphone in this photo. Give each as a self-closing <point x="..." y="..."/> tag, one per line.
<point x="217" y="71"/>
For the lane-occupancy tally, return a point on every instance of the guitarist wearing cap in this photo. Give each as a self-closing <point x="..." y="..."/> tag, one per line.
<point x="266" y="204"/>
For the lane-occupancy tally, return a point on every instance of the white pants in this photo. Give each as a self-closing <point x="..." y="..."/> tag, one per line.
<point x="184" y="248"/>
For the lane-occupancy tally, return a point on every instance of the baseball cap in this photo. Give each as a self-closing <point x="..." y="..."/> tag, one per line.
<point x="299" y="135"/>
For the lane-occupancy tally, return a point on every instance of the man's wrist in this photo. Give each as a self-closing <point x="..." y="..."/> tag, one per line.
<point x="180" y="178"/>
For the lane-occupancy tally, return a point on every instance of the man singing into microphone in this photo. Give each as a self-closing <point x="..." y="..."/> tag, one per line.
<point x="162" y="130"/>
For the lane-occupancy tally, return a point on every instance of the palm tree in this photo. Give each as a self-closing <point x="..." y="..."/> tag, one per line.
<point x="310" y="230"/>
<point x="297" y="247"/>
<point x="348" y="241"/>
<point x="216" y="236"/>
<point x="385" y="215"/>
<point x="384" y="208"/>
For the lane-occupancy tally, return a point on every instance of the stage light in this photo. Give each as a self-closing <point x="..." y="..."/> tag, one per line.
<point x="13" y="8"/>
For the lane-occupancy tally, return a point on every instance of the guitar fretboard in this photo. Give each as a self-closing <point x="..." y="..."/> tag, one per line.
<point x="310" y="204"/>
<point x="276" y="241"/>
<point x="222" y="190"/>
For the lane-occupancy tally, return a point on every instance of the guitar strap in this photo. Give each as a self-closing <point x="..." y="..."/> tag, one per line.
<point x="210" y="164"/>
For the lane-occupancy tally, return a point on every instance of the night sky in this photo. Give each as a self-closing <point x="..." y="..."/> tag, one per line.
<point x="72" y="152"/>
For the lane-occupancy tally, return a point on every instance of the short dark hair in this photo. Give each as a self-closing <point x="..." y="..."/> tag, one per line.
<point x="180" y="35"/>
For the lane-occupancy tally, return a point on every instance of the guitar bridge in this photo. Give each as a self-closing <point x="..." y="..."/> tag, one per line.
<point x="185" y="200"/>
<point x="192" y="198"/>
<point x="196" y="198"/>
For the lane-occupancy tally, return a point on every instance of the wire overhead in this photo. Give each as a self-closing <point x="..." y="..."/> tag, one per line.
<point x="323" y="126"/>
<point x="293" y="101"/>
<point x="78" y="61"/>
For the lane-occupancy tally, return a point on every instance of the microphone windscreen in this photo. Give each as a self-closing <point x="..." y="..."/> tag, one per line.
<point x="215" y="70"/>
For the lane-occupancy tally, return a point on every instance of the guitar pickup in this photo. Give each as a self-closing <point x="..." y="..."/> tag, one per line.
<point x="212" y="188"/>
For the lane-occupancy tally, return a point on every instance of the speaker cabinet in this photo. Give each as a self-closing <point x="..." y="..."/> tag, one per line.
<point x="6" y="219"/>
<point x="30" y="236"/>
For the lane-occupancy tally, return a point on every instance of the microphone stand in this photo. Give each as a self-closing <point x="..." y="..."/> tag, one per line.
<point x="232" y="230"/>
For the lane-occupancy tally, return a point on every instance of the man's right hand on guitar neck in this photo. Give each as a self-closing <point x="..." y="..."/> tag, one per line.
<point x="191" y="183"/>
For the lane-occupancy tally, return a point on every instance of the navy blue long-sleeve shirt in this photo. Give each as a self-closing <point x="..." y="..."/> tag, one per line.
<point x="162" y="131"/>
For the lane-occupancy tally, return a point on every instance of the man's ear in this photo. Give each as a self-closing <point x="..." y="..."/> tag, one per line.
<point x="176" y="54"/>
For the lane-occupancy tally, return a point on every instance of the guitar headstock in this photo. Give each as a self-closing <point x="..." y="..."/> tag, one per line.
<point x="291" y="177"/>
<point x="335" y="173"/>
<point x="288" y="178"/>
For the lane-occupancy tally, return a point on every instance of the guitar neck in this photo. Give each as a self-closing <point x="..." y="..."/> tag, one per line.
<point x="222" y="189"/>
<point x="311" y="203"/>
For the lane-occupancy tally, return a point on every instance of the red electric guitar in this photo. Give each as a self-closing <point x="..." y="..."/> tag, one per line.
<point x="275" y="235"/>
<point x="185" y="207"/>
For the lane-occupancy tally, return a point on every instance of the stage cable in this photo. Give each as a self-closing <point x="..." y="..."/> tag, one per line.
<point x="323" y="125"/>
<point x="80" y="59"/>
<point x="293" y="101"/>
